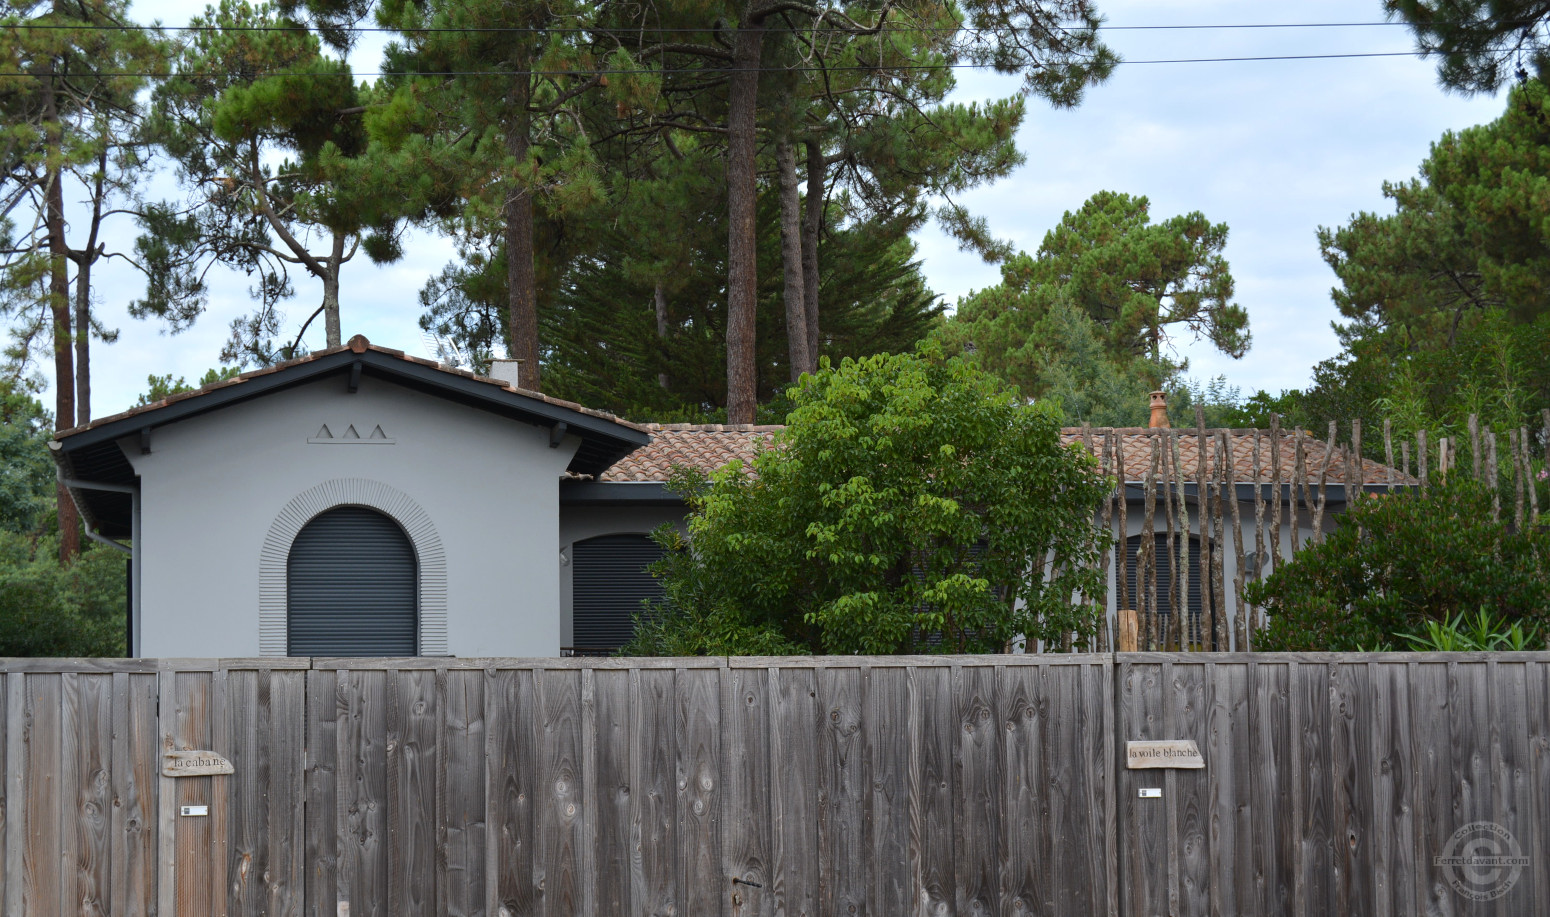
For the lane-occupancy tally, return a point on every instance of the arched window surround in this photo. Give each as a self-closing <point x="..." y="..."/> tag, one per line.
<point x="398" y="506"/>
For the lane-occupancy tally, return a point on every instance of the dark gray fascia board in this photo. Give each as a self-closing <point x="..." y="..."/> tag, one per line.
<point x="468" y="391"/>
<point x="617" y="493"/>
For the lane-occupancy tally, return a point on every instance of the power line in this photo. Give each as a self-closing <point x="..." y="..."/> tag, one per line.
<point x="712" y="69"/>
<point x="677" y="30"/>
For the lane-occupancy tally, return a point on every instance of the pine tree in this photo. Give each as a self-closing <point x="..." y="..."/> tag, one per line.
<point x="249" y="87"/>
<point x="1482" y="43"/>
<point x="69" y="95"/>
<point x="1137" y="284"/>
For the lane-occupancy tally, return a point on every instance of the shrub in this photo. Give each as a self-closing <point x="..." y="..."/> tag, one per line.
<point x="1399" y="562"/>
<point x="50" y="610"/>
<point x="910" y="505"/>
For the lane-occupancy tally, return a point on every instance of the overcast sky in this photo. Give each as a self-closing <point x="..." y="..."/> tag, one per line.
<point x="1272" y="148"/>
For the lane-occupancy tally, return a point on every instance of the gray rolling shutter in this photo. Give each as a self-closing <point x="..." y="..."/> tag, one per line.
<point x="1167" y="592"/>
<point x="352" y="587"/>
<point x="608" y="583"/>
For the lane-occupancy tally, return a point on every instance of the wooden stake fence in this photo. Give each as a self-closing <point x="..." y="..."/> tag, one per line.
<point x="1195" y="488"/>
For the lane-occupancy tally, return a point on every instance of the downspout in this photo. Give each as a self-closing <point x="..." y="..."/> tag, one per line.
<point x="135" y="578"/>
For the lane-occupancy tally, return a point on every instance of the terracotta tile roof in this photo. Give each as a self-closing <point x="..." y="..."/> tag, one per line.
<point x="357" y="344"/>
<point x="1138" y="454"/>
<point x="710" y="447"/>
<point x="707" y="447"/>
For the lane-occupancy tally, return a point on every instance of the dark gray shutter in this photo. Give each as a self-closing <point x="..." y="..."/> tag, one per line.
<point x="608" y="583"/>
<point x="352" y="587"/>
<point x="1167" y="592"/>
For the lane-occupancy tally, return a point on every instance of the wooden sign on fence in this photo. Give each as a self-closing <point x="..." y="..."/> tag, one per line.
<point x="1166" y="753"/>
<point x="197" y="763"/>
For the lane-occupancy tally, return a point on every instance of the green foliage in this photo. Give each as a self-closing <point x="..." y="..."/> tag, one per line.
<point x="1480" y="43"/>
<point x="159" y="388"/>
<point x="1085" y="320"/>
<point x="267" y="136"/>
<point x="49" y="609"/>
<point x="26" y="471"/>
<point x="602" y="344"/>
<point x="1446" y="299"/>
<point x="1398" y="562"/>
<point x="910" y="505"/>
<point x="1484" y="632"/>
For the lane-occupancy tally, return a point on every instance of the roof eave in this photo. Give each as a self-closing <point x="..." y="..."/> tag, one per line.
<point x="605" y="440"/>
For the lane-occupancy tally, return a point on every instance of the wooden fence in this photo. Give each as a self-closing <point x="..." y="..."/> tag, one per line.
<point x="1229" y="506"/>
<point x="965" y="785"/>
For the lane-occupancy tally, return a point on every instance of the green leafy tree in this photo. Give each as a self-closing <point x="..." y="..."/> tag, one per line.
<point x="1397" y="563"/>
<point x="910" y="505"/>
<point x="53" y="609"/>
<point x="48" y="607"/>
<point x="26" y="472"/>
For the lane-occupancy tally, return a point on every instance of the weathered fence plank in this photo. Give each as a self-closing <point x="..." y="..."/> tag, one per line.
<point x="1393" y="816"/>
<point x="702" y="886"/>
<point x="611" y="790"/>
<point x="1191" y="703"/>
<point x="1228" y="745"/>
<point x="843" y="855"/>
<point x="654" y="832"/>
<point x="558" y="815"/>
<point x="1351" y="773"/>
<point x="1148" y="840"/>
<point x="793" y="801"/>
<point x="887" y="760"/>
<point x="977" y="804"/>
<point x="1025" y="849"/>
<point x="322" y="821"/>
<point x="931" y="772"/>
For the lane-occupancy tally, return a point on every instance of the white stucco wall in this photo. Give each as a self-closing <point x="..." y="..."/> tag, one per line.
<point x="213" y="485"/>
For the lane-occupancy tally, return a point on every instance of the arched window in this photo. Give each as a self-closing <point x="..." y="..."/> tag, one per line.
<point x="608" y="582"/>
<point x="352" y="587"/>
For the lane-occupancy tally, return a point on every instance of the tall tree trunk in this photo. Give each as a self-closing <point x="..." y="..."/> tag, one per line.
<point x="791" y="259"/>
<point x="85" y="260"/>
<point x="659" y="299"/>
<point x="813" y="218"/>
<point x="742" y="217"/>
<point x="83" y="339"/>
<point x="59" y="308"/>
<point x="331" y="324"/>
<point x="330" y="278"/>
<point x="521" y="280"/>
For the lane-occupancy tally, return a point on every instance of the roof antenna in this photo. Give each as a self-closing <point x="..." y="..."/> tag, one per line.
<point x="445" y="350"/>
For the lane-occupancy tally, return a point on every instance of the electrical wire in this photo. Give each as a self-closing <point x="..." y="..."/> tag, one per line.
<point x="672" y="30"/>
<point x="717" y="70"/>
